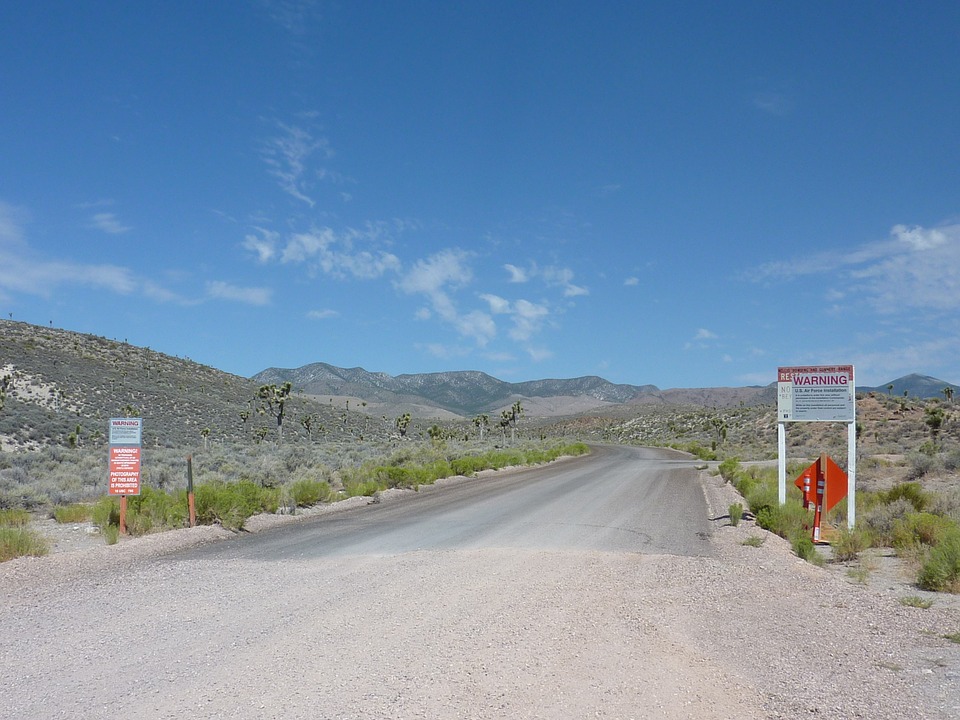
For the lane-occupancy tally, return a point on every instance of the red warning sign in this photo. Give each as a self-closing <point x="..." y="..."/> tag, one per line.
<point x="124" y="478"/>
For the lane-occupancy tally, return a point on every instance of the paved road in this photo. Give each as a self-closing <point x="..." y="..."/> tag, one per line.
<point x="617" y="499"/>
<point x="530" y="594"/>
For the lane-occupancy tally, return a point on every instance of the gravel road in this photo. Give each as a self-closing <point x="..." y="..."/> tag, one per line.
<point x="608" y="586"/>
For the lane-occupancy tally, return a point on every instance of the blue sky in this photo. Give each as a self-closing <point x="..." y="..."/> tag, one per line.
<point x="681" y="193"/>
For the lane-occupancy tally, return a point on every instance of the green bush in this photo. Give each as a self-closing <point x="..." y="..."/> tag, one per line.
<point x="76" y="513"/>
<point x="941" y="570"/>
<point x="230" y="504"/>
<point x="729" y="468"/>
<point x="106" y="512"/>
<point x="306" y="492"/>
<point x="20" y="541"/>
<point x="849" y="544"/>
<point x="365" y="488"/>
<point x="920" y="529"/>
<point x="909" y="491"/>
<point x="14" y="517"/>
<point x="736" y="514"/>
<point x="881" y="520"/>
<point x="155" y="510"/>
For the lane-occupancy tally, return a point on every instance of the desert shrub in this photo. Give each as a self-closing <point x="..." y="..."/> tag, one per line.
<point x="803" y="546"/>
<point x="155" y="510"/>
<point x="76" y="513"/>
<point x="106" y="513"/>
<point x="356" y="488"/>
<point x="14" y="517"/>
<point x="941" y="569"/>
<point x="921" y="464"/>
<point x="787" y="521"/>
<point x="20" y="541"/>
<point x="912" y="492"/>
<point x="915" y="601"/>
<point x="849" y="544"/>
<point x="951" y="460"/>
<point x="881" y="520"/>
<point x="735" y="513"/>
<point x="306" y="492"/>
<point x="230" y="504"/>
<point x="467" y="465"/>
<point x="728" y="468"/>
<point x="947" y="504"/>
<point x="920" y="529"/>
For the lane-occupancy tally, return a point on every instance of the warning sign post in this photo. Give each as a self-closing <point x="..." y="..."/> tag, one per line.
<point x="123" y="478"/>
<point x="819" y="393"/>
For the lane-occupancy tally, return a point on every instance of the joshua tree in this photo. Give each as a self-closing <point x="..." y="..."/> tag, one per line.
<point x="73" y="439"/>
<point x="307" y="422"/>
<point x="482" y="422"/>
<point x="720" y="428"/>
<point x="948" y="393"/>
<point x="273" y="399"/>
<point x="510" y="418"/>
<point x="934" y="417"/>
<point x="5" y="383"/>
<point x="205" y="433"/>
<point x="402" y="423"/>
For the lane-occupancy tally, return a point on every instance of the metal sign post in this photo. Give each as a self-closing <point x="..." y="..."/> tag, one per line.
<point x="820" y="393"/>
<point x="124" y="476"/>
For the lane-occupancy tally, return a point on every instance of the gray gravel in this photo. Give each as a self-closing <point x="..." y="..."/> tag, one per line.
<point x="486" y="632"/>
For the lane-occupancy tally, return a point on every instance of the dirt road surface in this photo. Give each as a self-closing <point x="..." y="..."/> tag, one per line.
<point x="608" y="586"/>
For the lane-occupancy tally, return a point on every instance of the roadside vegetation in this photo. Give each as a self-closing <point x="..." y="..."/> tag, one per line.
<point x="920" y="525"/>
<point x="16" y="537"/>
<point x="233" y="485"/>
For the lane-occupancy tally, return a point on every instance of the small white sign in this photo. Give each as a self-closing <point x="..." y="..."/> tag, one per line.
<point x="126" y="431"/>
<point x="822" y="393"/>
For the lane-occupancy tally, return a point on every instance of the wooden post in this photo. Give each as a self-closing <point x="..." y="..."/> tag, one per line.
<point x="191" y="504"/>
<point x="123" y="514"/>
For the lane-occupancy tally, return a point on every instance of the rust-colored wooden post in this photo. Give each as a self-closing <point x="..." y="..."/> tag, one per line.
<point x="191" y="503"/>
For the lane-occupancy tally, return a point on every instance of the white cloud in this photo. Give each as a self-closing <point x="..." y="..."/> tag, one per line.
<point x="437" y="277"/>
<point x="563" y="277"/>
<point x="773" y="103"/>
<point x="704" y="334"/>
<point x="917" y="268"/>
<point x="336" y="255"/>
<point x="108" y="223"/>
<point x="322" y="314"/>
<point x="517" y="275"/>
<point x="539" y="354"/>
<point x="528" y="319"/>
<point x="264" y="245"/>
<point x="249" y="295"/>
<point x="631" y="281"/>
<point x="498" y="305"/>
<point x="287" y="156"/>
<point x="22" y="271"/>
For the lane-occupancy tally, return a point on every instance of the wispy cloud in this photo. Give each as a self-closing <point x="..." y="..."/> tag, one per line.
<point x="773" y="103"/>
<point x="248" y="295"/>
<point x="701" y="340"/>
<point x="517" y="275"/>
<point x="263" y="244"/>
<point x="294" y="16"/>
<point x="438" y="277"/>
<point x="527" y="317"/>
<point x="322" y="314"/>
<point x="108" y="223"/>
<point x="631" y="281"/>
<point x="287" y="156"/>
<point x="21" y="270"/>
<point x="336" y="254"/>
<point x="551" y="276"/>
<point x="916" y="268"/>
